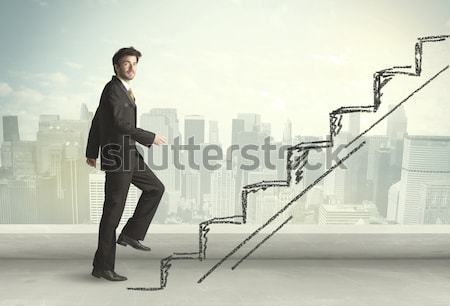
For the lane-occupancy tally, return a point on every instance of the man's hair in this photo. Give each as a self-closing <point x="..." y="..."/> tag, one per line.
<point x="125" y="52"/>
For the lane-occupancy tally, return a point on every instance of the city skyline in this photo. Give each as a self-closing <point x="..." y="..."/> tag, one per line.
<point x="196" y="194"/>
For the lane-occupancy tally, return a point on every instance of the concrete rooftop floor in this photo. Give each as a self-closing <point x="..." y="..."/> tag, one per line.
<point x="333" y="267"/>
<point x="255" y="282"/>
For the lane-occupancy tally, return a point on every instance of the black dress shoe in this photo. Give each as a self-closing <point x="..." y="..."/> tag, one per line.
<point x="125" y="240"/>
<point x="108" y="274"/>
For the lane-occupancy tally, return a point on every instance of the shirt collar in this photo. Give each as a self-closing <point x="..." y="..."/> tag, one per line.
<point x="125" y="83"/>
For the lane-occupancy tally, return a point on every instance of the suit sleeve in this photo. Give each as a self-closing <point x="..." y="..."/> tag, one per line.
<point x="143" y="137"/>
<point x="93" y="142"/>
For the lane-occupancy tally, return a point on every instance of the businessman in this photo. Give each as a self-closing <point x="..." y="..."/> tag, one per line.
<point x="114" y="133"/>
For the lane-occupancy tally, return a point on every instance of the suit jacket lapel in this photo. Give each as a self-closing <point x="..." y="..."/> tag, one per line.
<point x="116" y="79"/>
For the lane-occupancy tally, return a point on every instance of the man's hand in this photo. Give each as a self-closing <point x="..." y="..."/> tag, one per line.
<point x="91" y="162"/>
<point x="159" y="140"/>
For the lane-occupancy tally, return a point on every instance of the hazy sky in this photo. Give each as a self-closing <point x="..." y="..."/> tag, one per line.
<point x="282" y="59"/>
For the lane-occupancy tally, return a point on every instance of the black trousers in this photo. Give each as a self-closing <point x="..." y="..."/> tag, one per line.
<point x="116" y="190"/>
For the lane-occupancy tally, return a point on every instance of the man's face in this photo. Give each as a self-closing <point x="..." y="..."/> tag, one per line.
<point x="127" y="67"/>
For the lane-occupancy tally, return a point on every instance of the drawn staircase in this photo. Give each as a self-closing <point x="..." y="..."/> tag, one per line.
<point x="297" y="158"/>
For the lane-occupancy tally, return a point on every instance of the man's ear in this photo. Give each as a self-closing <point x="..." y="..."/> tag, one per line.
<point x="116" y="67"/>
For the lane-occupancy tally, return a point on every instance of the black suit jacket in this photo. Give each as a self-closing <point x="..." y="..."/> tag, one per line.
<point x="113" y="130"/>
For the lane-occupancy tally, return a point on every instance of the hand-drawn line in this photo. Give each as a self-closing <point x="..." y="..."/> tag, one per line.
<point x="281" y="210"/>
<point x="261" y="242"/>
<point x="297" y="163"/>
<point x="348" y="144"/>
<point x="397" y="106"/>
<point x="165" y="266"/>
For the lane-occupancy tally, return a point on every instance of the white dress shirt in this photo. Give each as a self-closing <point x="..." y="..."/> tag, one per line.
<point x="125" y="83"/>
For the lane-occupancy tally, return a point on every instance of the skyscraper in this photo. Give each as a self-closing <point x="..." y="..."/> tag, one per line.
<point x="158" y="157"/>
<point x="261" y="205"/>
<point x="213" y="132"/>
<point x="164" y="121"/>
<point x="287" y="132"/>
<point x="425" y="159"/>
<point x="194" y="126"/>
<point x="47" y="120"/>
<point x="5" y="202"/>
<point x="252" y="121"/>
<point x="397" y="124"/>
<point x="266" y="129"/>
<point x="22" y="193"/>
<point x="316" y="161"/>
<point x="222" y="193"/>
<point x="192" y="182"/>
<point x="10" y="128"/>
<point x="396" y="129"/>
<point x="85" y="114"/>
<point x="97" y="197"/>
<point x="195" y="182"/>
<point x="435" y="199"/>
<point x="337" y="183"/>
<point x="16" y="155"/>
<point x="60" y="154"/>
<point x="23" y="155"/>
<point x="354" y="124"/>
<point x="382" y="180"/>
<point x="393" y="196"/>
<point x="237" y="126"/>
<point x="374" y="142"/>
